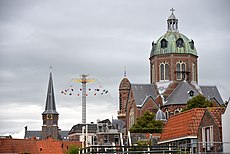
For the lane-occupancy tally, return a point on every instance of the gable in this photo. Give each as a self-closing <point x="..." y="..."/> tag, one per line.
<point x="141" y="92"/>
<point x="149" y="104"/>
<point x="216" y="113"/>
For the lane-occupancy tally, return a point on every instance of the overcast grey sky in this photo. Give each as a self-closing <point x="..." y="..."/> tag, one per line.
<point x="100" y="38"/>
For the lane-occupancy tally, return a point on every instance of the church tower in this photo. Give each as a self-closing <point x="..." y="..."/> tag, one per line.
<point x="50" y="115"/>
<point x="124" y="89"/>
<point x="173" y="57"/>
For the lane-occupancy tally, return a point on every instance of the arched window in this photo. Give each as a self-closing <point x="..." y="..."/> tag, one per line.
<point x="180" y="43"/>
<point x="183" y="70"/>
<point x="191" y="44"/>
<point x="193" y="72"/>
<point x="180" y="70"/>
<point x="164" y="43"/>
<point x="167" y="113"/>
<point x="131" y="117"/>
<point x="164" y="71"/>
<point x="153" y="77"/>
<point x="178" y="110"/>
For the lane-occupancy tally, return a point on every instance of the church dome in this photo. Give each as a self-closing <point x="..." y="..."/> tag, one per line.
<point x="173" y="41"/>
<point x="160" y="115"/>
<point x="124" y="84"/>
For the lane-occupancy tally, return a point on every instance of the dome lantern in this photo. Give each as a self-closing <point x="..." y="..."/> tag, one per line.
<point x="172" y="22"/>
<point x="173" y="41"/>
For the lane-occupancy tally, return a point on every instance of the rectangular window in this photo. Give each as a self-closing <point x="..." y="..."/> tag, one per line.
<point x="116" y="139"/>
<point x="207" y="137"/>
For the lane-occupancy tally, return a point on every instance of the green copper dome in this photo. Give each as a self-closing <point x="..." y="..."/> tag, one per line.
<point x="173" y="41"/>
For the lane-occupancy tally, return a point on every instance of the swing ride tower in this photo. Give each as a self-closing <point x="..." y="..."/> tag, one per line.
<point x="84" y="80"/>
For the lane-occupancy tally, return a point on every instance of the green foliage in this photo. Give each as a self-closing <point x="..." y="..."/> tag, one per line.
<point x="143" y="143"/>
<point x="147" y="124"/>
<point x="198" y="102"/>
<point x="73" y="149"/>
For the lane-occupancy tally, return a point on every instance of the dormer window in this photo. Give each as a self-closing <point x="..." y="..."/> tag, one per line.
<point x="164" y="43"/>
<point x="180" y="43"/>
<point x="191" y="44"/>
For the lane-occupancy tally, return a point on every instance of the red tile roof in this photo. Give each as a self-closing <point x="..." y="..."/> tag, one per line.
<point x="216" y="113"/>
<point x="35" y="146"/>
<point x="182" y="125"/>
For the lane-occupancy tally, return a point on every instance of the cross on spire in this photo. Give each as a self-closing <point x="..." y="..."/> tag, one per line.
<point x="172" y="9"/>
<point x="125" y="72"/>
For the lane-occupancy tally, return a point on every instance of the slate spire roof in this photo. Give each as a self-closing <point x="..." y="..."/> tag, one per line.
<point x="50" y="99"/>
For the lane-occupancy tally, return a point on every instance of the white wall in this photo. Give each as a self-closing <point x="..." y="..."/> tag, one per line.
<point x="226" y="129"/>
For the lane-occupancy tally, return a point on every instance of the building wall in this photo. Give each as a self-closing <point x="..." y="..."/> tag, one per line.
<point x="172" y="60"/>
<point x="50" y="126"/>
<point x="226" y="130"/>
<point x="170" y="110"/>
<point x="106" y="138"/>
<point x="208" y="120"/>
<point x="124" y="89"/>
<point x="149" y="105"/>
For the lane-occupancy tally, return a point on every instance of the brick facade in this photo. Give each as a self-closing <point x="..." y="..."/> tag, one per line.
<point x="149" y="105"/>
<point x="124" y="89"/>
<point x="211" y="118"/>
<point x="172" y="60"/>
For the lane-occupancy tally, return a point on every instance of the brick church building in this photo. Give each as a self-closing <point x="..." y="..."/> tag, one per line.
<point x="173" y="79"/>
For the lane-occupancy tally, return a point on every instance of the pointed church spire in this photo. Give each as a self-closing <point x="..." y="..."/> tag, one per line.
<point x="50" y="99"/>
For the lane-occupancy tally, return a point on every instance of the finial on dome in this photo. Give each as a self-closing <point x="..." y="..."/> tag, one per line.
<point x="172" y="9"/>
<point x="125" y="72"/>
<point x="172" y="22"/>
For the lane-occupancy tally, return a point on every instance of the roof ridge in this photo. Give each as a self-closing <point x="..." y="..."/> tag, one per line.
<point x="208" y="85"/>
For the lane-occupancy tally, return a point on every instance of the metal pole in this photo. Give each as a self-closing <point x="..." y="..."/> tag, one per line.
<point x="83" y="102"/>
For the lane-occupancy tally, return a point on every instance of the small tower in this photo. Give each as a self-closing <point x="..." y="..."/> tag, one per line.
<point x="50" y="115"/>
<point x="124" y="89"/>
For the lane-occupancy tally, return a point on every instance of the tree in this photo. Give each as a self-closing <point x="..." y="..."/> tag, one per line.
<point x="198" y="102"/>
<point x="147" y="124"/>
<point x="73" y="149"/>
